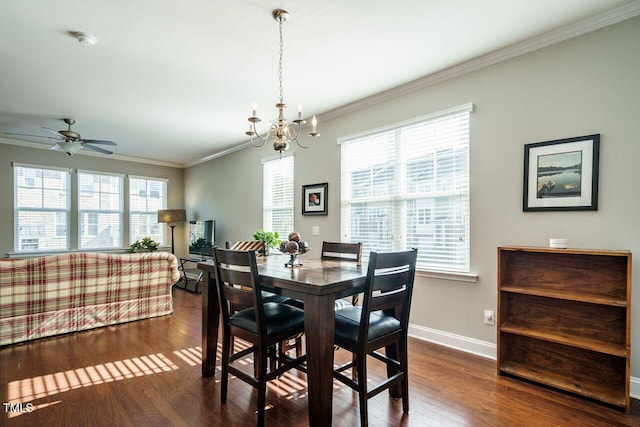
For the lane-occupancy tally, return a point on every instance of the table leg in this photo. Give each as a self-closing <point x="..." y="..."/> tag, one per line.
<point x="319" y="327"/>
<point x="210" y="324"/>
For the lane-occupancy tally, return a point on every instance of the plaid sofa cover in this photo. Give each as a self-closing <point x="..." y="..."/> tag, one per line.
<point x="40" y="297"/>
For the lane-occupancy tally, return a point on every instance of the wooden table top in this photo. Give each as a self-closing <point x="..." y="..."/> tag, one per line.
<point x="315" y="277"/>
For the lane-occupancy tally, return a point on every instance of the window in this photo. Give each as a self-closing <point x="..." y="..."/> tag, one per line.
<point x="277" y="199"/>
<point x="146" y="197"/>
<point x="99" y="210"/>
<point x="407" y="186"/>
<point x="41" y="208"/>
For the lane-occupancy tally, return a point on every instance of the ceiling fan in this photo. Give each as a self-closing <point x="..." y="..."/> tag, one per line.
<point x="71" y="142"/>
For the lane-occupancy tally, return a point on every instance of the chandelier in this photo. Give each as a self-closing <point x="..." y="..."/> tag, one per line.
<point x="280" y="134"/>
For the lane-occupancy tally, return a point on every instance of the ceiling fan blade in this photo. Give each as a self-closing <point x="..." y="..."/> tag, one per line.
<point x="55" y="132"/>
<point x="37" y="136"/>
<point x="56" y="147"/>
<point x="98" y="141"/>
<point x="98" y="149"/>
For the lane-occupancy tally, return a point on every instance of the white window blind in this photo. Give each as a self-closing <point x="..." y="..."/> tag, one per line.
<point x="277" y="196"/>
<point x="146" y="197"/>
<point x="41" y="208"/>
<point x="99" y="210"/>
<point x="407" y="186"/>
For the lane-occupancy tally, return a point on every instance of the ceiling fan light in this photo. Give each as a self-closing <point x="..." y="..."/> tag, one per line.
<point x="70" y="147"/>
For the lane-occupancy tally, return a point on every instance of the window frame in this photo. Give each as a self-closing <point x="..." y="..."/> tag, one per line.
<point x="394" y="197"/>
<point x="95" y="213"/>
<point x="65" y="212"/>
<point x="150" y="215"/>
<point x="269" y="206"/>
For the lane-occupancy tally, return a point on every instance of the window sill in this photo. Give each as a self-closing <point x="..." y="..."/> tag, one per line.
<point x="447" y="275"/>
<point x="48" y="253"/>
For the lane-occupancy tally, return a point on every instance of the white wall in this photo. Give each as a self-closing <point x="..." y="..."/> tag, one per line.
<point x="582" y="86"/>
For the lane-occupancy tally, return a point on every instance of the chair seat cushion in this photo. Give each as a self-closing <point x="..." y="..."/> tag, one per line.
<point x="348" y="322"/>
<point x="278" y="317"/>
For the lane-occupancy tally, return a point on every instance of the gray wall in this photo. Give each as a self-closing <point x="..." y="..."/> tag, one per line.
<point x="15" y="153"/>
<point x="582" y="86"/>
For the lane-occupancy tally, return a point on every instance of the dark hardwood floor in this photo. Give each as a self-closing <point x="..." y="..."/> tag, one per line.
<point x="147" y="373"/>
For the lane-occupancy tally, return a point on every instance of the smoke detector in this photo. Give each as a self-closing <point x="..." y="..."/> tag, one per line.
<point x="86" y="39"/>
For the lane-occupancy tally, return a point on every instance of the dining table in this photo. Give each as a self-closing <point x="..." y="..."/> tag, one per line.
<point x="316" y="282"/>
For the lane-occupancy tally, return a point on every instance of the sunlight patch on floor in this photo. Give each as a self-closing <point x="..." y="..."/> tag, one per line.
<point x="26" y="390"/>
<point x="191" y="356"/>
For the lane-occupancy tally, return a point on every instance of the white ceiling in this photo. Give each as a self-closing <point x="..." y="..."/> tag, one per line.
<point x="174" y="81"/>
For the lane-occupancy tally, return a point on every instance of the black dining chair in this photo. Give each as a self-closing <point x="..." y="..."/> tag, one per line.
<point x="259" y="247"/>
<point x="262" y="324"/>
<point x="341" y="251"/>
<point x="381" y="321"/>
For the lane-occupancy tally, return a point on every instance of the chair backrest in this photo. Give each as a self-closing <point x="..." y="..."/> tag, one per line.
<point x="341" y="251"/>
<point x="238" y="284"/>
<point x="389" y="287"/>
<point x="251" y="245"/>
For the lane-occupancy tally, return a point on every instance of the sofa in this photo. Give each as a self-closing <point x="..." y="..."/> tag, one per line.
<point x="41" y="297"/>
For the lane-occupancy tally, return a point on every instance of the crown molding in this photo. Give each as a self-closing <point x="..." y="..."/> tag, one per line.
<point x="218" y="154"/>
<point x="567" y="32"/>
<point x="579" y="28"/>
<point x="43" y="146"/>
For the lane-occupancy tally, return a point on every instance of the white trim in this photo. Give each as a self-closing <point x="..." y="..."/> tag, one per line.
<point x="634" y="387"/>
<point x="464" y="108"/>
<point x="480" y="348"/>
<point x="148" y="178"/>
<point x="458" y="342"/>
<point x="162" y="248"/>
<point x="41" y="146"/>
<point x="32" y="166"/>
<point x="219" y="154"/>
<point x="543" y="40"/>
<point x="85" y="171"/>
<point x="448" y="275"/>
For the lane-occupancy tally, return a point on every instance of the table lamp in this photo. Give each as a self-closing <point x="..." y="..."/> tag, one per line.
<point x="171" y="216"/>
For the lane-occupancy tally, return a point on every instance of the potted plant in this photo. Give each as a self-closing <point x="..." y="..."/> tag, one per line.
<point x="147" y="243"/>
<point x="270" y="239"/>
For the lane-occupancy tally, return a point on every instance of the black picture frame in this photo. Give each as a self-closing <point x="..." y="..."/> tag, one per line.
<point x="314" y="199"/>
<point x="561" y="175"/>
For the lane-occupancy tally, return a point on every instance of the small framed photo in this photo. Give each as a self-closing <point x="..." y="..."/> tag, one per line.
<point x="314" y="199"/>
<point x="561" y="175"/>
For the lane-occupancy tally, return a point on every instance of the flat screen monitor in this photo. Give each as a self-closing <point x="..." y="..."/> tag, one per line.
<point x="202" y="237"/>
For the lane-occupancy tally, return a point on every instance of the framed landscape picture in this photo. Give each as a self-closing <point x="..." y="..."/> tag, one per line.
<point x="561" y="175"/>
<point x="314" y="199"/>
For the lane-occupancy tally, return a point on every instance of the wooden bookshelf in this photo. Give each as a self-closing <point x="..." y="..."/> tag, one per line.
<point x="564" y="320"/>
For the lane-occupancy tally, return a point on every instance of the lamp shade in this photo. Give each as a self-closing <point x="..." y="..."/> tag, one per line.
<point x="172" y="215"/>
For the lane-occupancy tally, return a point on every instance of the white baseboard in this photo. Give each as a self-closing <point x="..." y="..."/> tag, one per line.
<point x="634" y="388"/>
<point x="480" y="348"/>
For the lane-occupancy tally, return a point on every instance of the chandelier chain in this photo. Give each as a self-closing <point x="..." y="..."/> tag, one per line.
<point x="280" y="63"/>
